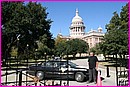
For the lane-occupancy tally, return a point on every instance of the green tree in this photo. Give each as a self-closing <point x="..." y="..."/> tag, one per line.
<point x="70" y="47"/>
<point x="46" y="45"/>
<point x="82" y="47"/>
<point x="28" y="22"/>
<point x="124" y="29"/>
<point x="96" y="49"/>
<point x="75" y="46"/>
<point x="116" y="38"/>
<point x="60" y="46"/>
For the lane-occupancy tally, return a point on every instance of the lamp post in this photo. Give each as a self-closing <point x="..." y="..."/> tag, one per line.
<point x="35" y="54"/>
<point x="44" y="70"/>
<point x="116" y="72"/>
<point x="60" y="72"/>
<point x="53" y="67"/>
<point x="17" y="57"/>
<point x="45" y="57"/>
<point x="67" y="71"/>
<point x="36" y="62"/>
<point x="27" y="61"/>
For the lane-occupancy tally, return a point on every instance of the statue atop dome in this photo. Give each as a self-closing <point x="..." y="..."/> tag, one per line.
<point x="77" y="12"/>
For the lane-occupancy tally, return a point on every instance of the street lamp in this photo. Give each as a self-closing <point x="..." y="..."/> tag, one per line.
<point x="27" y="53"/>
<point x="53" y="81"/>
<point x="27" y="61"/>
<point x="60" y="72"/>
<point x="35" y="62"/>
<point x="17" y="57"/>
<point x="36" y="54"/>
<point x="44" y="70"/>
<point x="116" y="72"/>
<point x="53" y="57"/>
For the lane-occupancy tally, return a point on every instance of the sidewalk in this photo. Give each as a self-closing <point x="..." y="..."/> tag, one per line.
<point x="107" y="81"/>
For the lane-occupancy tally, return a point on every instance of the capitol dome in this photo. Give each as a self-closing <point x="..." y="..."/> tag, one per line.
<point x="77" y="28"/>
<point x="77" y="18"/>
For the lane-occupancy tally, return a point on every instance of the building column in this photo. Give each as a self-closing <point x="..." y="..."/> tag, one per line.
<point x="82" y="29"/>
<point x="98" y="40"/>
<point x="93" y="41"/>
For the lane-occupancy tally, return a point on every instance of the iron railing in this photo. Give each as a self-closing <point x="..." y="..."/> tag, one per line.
<point x="14" y="73"/>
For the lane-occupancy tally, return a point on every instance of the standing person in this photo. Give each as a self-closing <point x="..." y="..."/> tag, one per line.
<point x="93" y="65"/>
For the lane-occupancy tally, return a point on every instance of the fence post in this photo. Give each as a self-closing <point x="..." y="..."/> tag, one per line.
<point x="20" y="78"/>
<point x="52" y="82"/>
<point x="117" y="83"/>
<point x="108" y="71"/>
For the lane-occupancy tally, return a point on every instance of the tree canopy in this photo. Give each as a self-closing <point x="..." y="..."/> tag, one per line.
<point x="25" y="24"/>
<point x="71" y="47"/>
<point x="116" y="37"/>
<point x="60" y="46"/>
<point x="75" y="46"/>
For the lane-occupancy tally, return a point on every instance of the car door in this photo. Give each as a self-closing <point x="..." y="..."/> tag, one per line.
<point x="51" y="69"/>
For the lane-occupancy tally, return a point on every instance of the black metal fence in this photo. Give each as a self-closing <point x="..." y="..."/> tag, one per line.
<point x="123" y="78"/>
<point x="14" y="73"/>
<point x="122" y="73"/>
<point x="121" y="65"/>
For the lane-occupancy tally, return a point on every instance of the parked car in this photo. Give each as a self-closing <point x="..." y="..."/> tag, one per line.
<point x="59" y="69"/>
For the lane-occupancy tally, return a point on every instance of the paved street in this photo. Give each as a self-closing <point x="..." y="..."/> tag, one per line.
<point x="107" y="81"/>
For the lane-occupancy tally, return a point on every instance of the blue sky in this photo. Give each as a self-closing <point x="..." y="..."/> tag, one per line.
<point x="94" y="14"/>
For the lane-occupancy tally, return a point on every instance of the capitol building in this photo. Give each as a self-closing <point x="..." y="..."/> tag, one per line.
<point x="77" y="30"/>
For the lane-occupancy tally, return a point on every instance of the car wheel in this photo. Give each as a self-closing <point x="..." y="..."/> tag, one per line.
<point x="40" y="75"/>
<point x="79" y="77"/>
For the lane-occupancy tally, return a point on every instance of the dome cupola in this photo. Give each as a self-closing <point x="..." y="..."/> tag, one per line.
<point x="77" y="18"/>
<point x="99" y="29"/>
<point x="77" y="28"/>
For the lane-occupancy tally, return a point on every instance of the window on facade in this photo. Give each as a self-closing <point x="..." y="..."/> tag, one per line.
<point x="96" y="39"/>
<point x="86" y="40"/>
<point x="90" y="44"/>
<point x="100" y="39"/>
<point x="90" y="39"/>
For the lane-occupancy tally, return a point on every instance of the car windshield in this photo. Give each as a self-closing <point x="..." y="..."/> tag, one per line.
<point x="50" y="64"/>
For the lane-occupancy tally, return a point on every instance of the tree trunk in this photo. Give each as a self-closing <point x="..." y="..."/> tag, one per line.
<point x="120" y="56"/>
<point x="80" y="54"/>
<point x="74" y="56"/>
<point x="104" y="56"/>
